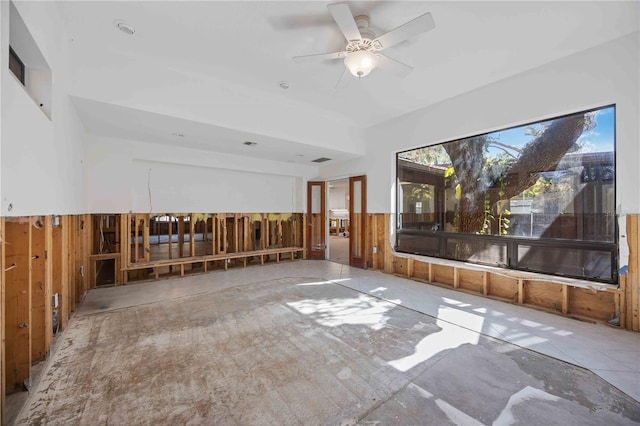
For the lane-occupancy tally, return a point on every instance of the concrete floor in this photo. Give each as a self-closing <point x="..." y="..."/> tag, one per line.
<point x="314" y="342"/>
<point x="339" y="249"/>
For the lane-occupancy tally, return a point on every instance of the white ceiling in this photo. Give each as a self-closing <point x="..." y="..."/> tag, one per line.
<point x="210" y="70"/>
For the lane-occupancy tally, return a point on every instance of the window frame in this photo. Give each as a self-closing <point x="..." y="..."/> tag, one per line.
<point x="13" y="56"/>
<point x="512" y="242"/>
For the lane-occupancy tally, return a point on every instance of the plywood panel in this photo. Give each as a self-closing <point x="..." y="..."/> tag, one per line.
<point x="632" y="290"/>
<point x="543" y="294"/>
<point x="125" y="244"/>
<point x="421" y="270"/>
<point x="145" y="241"/>
<point x="442" y="274"/>
<point x="369" y="240"/>
<point x="192" y="235"/>
<point x="470" y="280"/>
<point x="69" y="270"/>
<point x="38" y="295"/>
<point x="76" y="256"/>
<point x="372" y="231"/>
<point x="2" y="323"/>
<point x="386" y="247"/>
<point x="381" y="241"/>
<point x="17" y="304"/>
<point x="303" y="235"/>
<point x="591" y="304"/>
<point x="400" y="265"/>
<point x="48" y="279"/>
<point x="75" y="290"/>
<point x="86" y="252"/>
<point x="503" y="287"/>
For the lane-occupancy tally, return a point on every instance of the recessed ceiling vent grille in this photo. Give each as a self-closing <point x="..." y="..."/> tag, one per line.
<point x="320" y="160"/>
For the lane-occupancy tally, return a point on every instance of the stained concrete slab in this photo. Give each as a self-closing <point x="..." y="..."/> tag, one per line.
<point x="517" y="387"/>
<point x="304" y="351"/>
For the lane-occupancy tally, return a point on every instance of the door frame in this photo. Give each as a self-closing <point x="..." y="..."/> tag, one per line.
<point x="361" y="239"/>
<point x="316" y="254"/>
<point x="320" y="254"/>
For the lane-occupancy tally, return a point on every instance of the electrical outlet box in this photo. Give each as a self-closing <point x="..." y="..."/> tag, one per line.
<point x="54" y="300"/>
<point x="375" y="250"/>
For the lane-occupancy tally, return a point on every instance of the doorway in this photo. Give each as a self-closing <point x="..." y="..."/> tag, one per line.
<point x="345" y="203"/>
<point x="339" y="233"/>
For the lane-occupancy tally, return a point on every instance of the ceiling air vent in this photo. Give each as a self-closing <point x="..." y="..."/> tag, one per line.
<point x="320" y="160"/>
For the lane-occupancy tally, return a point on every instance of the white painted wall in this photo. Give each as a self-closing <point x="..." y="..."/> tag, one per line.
<point x="607" y="74"/>
<point x="41" y="160"/>
<point x="42" y="168"/>
<point x="4" y="64"/>
<point x="37" y="70"/>
<point x="121" y="172"/>
<point x="338" y="198"/>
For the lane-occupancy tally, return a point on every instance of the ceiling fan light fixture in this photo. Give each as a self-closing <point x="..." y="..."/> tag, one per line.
<point x="360" y="63"/>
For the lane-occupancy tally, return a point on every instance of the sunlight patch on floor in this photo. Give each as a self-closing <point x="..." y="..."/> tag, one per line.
<point x="450" y="336"/>
<point x="362" y="310"/>
<point x="506" y="417"/>
<point x="337" y="280"/>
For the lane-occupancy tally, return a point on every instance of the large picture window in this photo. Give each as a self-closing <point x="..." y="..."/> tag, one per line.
<point x="538" y="197"/>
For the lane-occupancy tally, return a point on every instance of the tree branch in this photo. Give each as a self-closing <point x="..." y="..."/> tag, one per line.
<point x="541" y="154"/>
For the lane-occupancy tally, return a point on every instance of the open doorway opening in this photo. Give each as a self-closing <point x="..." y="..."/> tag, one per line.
<point x="339" y="221"/>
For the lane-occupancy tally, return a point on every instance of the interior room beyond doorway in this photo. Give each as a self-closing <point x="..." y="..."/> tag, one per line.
<point x="339" y="221"/>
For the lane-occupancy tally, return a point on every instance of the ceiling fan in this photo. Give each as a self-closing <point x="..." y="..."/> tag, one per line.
<point x="361" y="54"/>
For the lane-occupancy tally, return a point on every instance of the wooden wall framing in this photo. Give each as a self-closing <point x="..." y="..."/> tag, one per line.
<point x="17" y="351"/>
<point x="629" y="297"/>
<point x="39" y="259"/>
<point x="39" y="256"/>
<point x="232" y="234"/>
<point x="574" y="298"/>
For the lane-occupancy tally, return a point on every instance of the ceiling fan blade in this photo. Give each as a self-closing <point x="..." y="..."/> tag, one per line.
<point x="319" y="57"/>
<point x="419" y="25"/>
<point x="393" y="65"/>
<point x="344" y="18"/>
<point x="344" y="79"/>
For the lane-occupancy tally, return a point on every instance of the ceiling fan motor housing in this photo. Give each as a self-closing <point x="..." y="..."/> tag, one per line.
<point x="364" y="44"/>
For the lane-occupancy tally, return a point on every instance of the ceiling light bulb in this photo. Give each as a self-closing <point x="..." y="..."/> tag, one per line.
<point x="360" y="63"/>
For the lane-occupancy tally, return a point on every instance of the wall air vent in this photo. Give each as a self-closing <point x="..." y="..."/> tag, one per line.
<point x="320" y="160"/>
<point x="16" y="65"/>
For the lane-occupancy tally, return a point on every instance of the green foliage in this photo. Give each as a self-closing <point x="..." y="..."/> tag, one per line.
<point x="503" y="222"/>
<point x="420" y="191"/>
<point x="488" y="217"/>
<point x="429" y="155"/>
<point x="541" y="186"/>
<point x="450" y="171"/>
